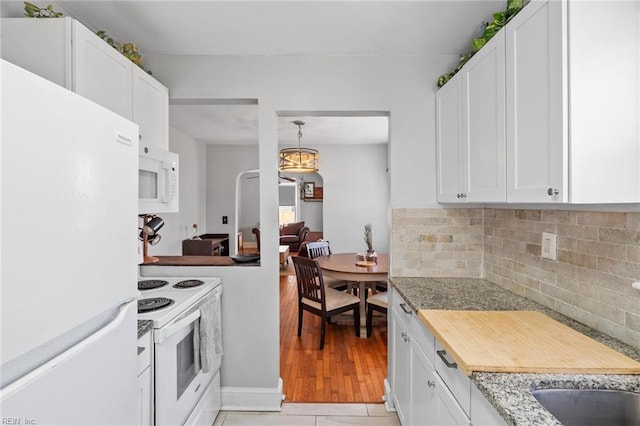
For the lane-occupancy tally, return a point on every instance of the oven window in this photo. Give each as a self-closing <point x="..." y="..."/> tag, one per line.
<point x="185" y="368"/>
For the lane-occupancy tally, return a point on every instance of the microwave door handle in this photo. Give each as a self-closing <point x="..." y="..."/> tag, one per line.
<point x="168" y="193"/>
<point x="164" y="333"/>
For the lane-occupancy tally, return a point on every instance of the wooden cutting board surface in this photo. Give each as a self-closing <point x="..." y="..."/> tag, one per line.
<point x="521" y="342"/>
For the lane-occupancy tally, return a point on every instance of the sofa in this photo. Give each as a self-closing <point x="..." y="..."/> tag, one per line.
<point x="291" y="234"/>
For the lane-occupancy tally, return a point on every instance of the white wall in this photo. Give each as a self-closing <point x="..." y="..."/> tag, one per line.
<point x="404" y="86"/>
<point x="178" y="226"/>
<point x="224" y="163"/>
<point x="356" y="192"/>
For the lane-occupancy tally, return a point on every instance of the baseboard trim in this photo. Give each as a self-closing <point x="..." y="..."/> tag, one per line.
<point x="387" y="398"/>
<point x="252" y="399"/>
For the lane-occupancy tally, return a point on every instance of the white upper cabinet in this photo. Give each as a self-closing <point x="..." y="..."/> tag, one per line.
<point x="64" y="51"/>
<point x="470" y="112"/>
<point x="553" y="116"/>
<point x="100" y="72"/>
<point x="449" y="109"/>
<point x="151" y="109"/>
<point x="484" y="119"/>
<point x="604" y="96"/>
<point x="536" y="100"/>
<point x="572" y="102"/>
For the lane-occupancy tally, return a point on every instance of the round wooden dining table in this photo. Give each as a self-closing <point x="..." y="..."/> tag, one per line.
<point x="343" y="266"/>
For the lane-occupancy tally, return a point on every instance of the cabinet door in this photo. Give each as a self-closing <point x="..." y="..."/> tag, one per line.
<point x="100" y="72"/>
<point x="151" y="109"/>
<point x="447" y="410"/>
<point x="144" y="397"/>
<point x="449" y="114"/>
<point x="401" y="365"/>
<point x="484" y="119"/>
<point x="423" y="393"/>
<point x="537" y="140"/>
<point x="482" y="412"/>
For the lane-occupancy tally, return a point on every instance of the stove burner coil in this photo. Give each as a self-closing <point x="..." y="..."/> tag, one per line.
<point x="153" y="304"/>
<point x="188" y="284"/>
<point x="151" y="284"/>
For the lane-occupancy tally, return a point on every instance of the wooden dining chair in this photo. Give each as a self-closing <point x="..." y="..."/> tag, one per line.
<point x="315" y="297"/>
<point x="378" y="302"/>
<point x="322" y="248"/>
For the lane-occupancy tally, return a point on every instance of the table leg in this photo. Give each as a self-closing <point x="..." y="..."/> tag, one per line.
<point x="362" y="288"/>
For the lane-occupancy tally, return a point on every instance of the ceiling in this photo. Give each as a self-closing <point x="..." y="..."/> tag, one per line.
<point x="302" y="27"/>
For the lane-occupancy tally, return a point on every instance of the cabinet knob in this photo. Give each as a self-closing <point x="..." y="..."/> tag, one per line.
<point x="431" y="383"/>
<point x="552" y="191"/>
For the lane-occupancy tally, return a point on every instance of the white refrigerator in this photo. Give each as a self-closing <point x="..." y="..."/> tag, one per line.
<point x="68" y="257"/>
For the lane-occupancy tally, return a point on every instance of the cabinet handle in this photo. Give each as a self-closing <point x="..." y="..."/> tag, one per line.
<point x="443" y="356"/>
<point x="405" y="309"/>
<point x="431" y="384"/>
<point x="552" y="191"/>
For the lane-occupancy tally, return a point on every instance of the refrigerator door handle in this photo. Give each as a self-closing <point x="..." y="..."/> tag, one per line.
<point x="42" y="369"/>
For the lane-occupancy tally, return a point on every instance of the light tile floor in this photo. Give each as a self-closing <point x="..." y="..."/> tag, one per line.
<point x="299" y="414"/>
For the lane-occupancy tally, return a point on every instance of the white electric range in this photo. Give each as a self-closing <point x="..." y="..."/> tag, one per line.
<point x="186" y="369"/>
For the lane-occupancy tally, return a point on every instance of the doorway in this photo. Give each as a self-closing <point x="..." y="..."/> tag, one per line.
<point x="354" y="185"/>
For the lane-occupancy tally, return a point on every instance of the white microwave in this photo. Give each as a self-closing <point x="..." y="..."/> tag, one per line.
<point x="157" y="181"/>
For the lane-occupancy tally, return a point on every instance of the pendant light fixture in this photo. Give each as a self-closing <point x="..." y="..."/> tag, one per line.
<point x="299" y="160"/>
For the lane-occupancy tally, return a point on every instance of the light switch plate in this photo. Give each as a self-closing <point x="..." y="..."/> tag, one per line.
<point x="549" y="246"/>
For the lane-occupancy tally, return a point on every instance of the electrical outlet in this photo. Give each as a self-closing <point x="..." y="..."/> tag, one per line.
<point x="549" y="246"/>
<point x="225" y="220"/>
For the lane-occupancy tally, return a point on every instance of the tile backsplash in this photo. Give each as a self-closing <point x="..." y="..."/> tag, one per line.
<point x="598" y="257"/>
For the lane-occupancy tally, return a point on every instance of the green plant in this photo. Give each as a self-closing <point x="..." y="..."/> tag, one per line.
<point x="33" y="11"/>
<point x="129" y="50"/>
<point x="489" y="29"/>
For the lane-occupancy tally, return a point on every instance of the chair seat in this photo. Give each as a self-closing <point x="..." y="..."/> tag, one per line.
<point x="335" y="299"/>
<point x="379" y="299"/>
<point x="334" y="282"/>
<point x="288" y="239"/>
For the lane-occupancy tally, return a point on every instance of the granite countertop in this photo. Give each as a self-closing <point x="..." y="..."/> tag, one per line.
<point x="144" y="326"/>
<point x="510" y="392"/>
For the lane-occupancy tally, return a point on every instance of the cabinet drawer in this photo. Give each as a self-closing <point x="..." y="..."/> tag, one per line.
<point x="401" y="307"/>
<point x="144" y="352"/>
<point x="423" y="338"/>
<point x="454" y="378"/>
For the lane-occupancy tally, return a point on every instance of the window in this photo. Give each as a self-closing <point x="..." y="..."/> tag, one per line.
<point x="288" y="211"/>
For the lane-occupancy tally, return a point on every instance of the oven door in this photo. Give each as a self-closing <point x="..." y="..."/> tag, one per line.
<point x="179" y="383"/>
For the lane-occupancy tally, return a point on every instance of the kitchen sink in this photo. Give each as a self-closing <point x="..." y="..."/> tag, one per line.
<point x="590" y="407"/>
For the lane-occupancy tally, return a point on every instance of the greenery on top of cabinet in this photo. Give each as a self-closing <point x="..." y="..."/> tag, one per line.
<point x="489" y="29"/>
<point x="33" y="11"/>
<point x="128" y="50"/>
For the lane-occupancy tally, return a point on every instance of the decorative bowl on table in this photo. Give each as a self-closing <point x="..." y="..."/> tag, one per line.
<point x="246" y="257"/>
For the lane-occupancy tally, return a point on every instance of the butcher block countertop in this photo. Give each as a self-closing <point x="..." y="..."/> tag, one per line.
<point x="510" y="393"/>
<point x="521" y="342"/>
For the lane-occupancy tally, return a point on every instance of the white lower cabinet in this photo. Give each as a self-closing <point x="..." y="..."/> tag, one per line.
<point x="401" y="367"/>
<point x="145" y="380"/>
<point x="425" y="389"/>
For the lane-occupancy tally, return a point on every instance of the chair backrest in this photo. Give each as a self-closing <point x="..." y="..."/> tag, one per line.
<point x="310" y="281"/>
<point x="318" y="248"/>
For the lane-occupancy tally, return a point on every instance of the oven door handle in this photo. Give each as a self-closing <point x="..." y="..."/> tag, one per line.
<point x="164" y="333"/>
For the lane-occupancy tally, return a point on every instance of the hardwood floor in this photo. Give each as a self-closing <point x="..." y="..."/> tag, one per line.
<point x="349" y="369"/>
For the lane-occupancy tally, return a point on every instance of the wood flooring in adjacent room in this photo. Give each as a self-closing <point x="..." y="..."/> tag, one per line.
<point x="349" y="369"/>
